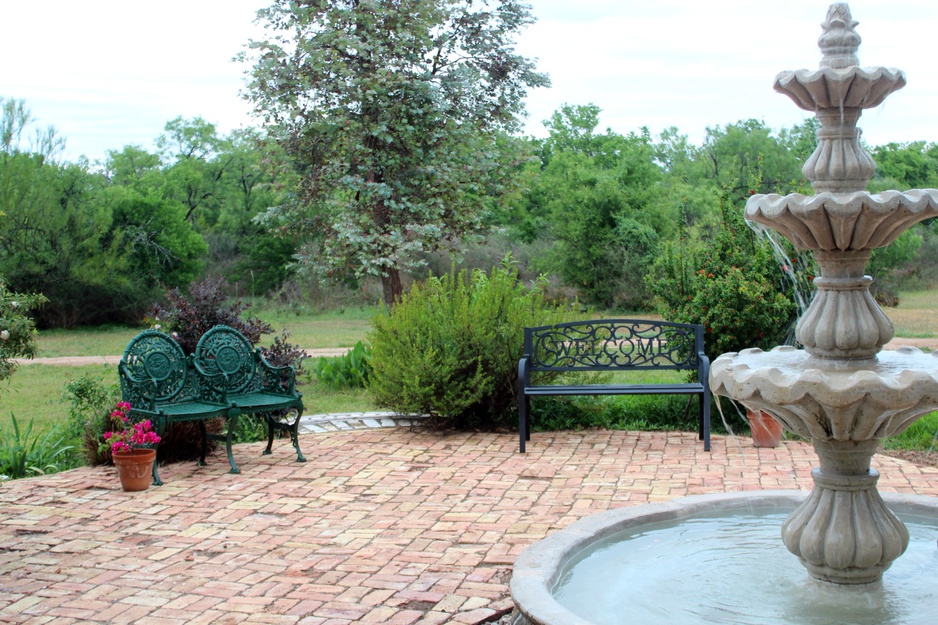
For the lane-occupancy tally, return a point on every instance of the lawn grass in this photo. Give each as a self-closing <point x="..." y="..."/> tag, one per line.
<point x="916" y="316"/>
<point x="340" y="328"/>
<point x="36" y="392"/>
<point x="102" y="341"/>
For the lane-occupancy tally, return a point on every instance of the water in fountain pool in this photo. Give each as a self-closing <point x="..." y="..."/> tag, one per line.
<point x="732" y="569"/>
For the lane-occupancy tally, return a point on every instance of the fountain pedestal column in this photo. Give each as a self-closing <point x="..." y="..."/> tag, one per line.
<point x="843" y="532"/>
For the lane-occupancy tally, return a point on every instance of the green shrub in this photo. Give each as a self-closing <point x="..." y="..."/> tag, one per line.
<point x="17" y="329"/>
<point x="731" y="284"/>
<point x="450" y="348"/>
<point x="23" y="456"/>
<point x="91" y="401"/>
<point x="632" y="412"/>
<point x="350" y="370"/>
<point x="249" y="429"/>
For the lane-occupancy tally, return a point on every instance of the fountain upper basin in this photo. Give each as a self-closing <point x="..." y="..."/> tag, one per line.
<point x="831" y="400"/>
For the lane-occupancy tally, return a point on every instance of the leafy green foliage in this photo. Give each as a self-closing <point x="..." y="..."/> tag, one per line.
<point x="450" y="348"/>
<point x="90" y="399"/>
<point x="732" y="285"/>
<point x="350" y="370"/>
<point x="249" y="429"/>
<point x="635" y="412"/>
<point x="17" y="330"/>
<point x="390" y="110"/>
<point x="97" y="250"/>
<point x="23" y="455"/>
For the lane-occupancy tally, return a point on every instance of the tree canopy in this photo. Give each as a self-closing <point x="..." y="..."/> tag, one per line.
<point x="390" y="110"/>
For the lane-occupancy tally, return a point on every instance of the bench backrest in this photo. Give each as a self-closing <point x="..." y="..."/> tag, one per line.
<point x="154" y="369"/>
<point x="223" y="353"/>
<point x="604" y="344"/>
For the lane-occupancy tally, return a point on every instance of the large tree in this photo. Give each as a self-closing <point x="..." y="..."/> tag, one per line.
<point x="390" y="109"/>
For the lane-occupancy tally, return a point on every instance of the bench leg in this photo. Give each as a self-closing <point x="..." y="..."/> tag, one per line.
<point x="524" y="427"/>
<point x="293" y="429"/>
<point x="232" y="423"/>
<point x="160" y="429"/>
<point x="295" y="435"/>
<point x="271" y="426"/>
<point x="705" y="420"/>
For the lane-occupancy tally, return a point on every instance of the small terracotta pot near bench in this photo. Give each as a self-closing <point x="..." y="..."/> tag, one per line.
<point x="135" y="468"/>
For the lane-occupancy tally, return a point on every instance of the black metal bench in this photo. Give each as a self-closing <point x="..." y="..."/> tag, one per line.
<point x="224" y="378"/>
<point x="613" y="345"/>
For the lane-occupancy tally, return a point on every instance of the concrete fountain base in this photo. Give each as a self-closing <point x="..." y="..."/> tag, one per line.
<point x="540" y="567"/>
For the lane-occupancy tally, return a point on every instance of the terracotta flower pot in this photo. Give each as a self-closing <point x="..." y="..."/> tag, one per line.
<point x="765" y="431"/>
<point x="135" y="468"/>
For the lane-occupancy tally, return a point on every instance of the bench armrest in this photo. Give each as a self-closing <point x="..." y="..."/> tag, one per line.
<point x="524" y="371"/>
<point x="278" y="379"/>
<point x="703" y="370"/>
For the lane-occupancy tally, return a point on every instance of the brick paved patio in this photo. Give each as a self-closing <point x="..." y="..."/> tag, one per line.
<point x="391" y="525"/>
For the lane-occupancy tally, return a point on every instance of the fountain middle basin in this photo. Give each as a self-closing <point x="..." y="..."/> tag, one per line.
<point x="714" y="559"/>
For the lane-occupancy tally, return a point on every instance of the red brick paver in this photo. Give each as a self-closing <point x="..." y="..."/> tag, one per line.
<point x="380" y="526"/>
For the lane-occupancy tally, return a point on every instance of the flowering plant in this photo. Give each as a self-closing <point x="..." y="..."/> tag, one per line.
<point x="128" y="436"/>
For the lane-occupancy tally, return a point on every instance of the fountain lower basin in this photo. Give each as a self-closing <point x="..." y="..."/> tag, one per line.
<point x="752" y="581"/>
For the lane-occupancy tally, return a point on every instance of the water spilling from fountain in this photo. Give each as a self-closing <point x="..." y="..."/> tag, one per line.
<point x="841" y="391"/>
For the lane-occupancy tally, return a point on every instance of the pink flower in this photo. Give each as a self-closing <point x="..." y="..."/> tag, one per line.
<point x="127" y="436"/>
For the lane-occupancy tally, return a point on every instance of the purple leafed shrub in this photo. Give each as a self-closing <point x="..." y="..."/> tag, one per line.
<point x="207" y="305"/>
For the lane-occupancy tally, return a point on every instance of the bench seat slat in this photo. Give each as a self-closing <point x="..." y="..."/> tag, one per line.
<point x="261" y="402"/>
<point x="617" y="389"/>
<point x="189" y="410"/>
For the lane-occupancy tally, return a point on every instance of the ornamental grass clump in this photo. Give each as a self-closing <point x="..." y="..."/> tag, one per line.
<point x="450" y="348"/>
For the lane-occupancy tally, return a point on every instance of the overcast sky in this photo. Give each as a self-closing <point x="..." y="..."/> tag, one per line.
<point x="109" y="73"/>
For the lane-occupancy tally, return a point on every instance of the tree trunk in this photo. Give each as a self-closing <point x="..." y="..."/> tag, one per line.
<point x="391" y="287"/>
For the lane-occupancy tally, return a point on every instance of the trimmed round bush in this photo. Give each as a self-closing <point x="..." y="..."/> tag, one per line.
<point x="450" y="348"/>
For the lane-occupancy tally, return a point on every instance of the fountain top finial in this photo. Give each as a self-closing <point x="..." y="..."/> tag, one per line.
<point x="839" y="41"/>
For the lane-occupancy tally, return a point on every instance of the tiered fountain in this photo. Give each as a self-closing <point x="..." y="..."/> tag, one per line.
<point x="841" y="391"/>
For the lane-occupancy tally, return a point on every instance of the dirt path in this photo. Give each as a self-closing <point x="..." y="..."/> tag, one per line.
<point x="74" y="361"/>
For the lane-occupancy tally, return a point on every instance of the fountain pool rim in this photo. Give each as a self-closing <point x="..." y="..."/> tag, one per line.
<point x="538" y="567"/>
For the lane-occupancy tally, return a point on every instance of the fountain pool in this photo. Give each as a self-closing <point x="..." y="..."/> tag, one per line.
<point x="715" y="559"/>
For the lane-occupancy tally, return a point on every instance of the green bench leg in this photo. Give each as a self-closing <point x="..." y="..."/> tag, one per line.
<point x="232" y="423"/>
<point x="295" y="436"/>
<point x="291" y="428"/>
<point x="271" y="426"/>
<point x="160" y="430"/>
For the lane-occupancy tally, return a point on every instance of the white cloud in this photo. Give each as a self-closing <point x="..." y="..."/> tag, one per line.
<point x="108" y="73"/>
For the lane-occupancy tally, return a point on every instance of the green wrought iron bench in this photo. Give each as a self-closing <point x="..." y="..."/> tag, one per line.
<point x="613" y="345"/>
<point x="224" y="378"/>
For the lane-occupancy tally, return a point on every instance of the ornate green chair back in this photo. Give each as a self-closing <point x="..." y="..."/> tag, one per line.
<point x="223" y="351"/>
<point x="157" y="358"/>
